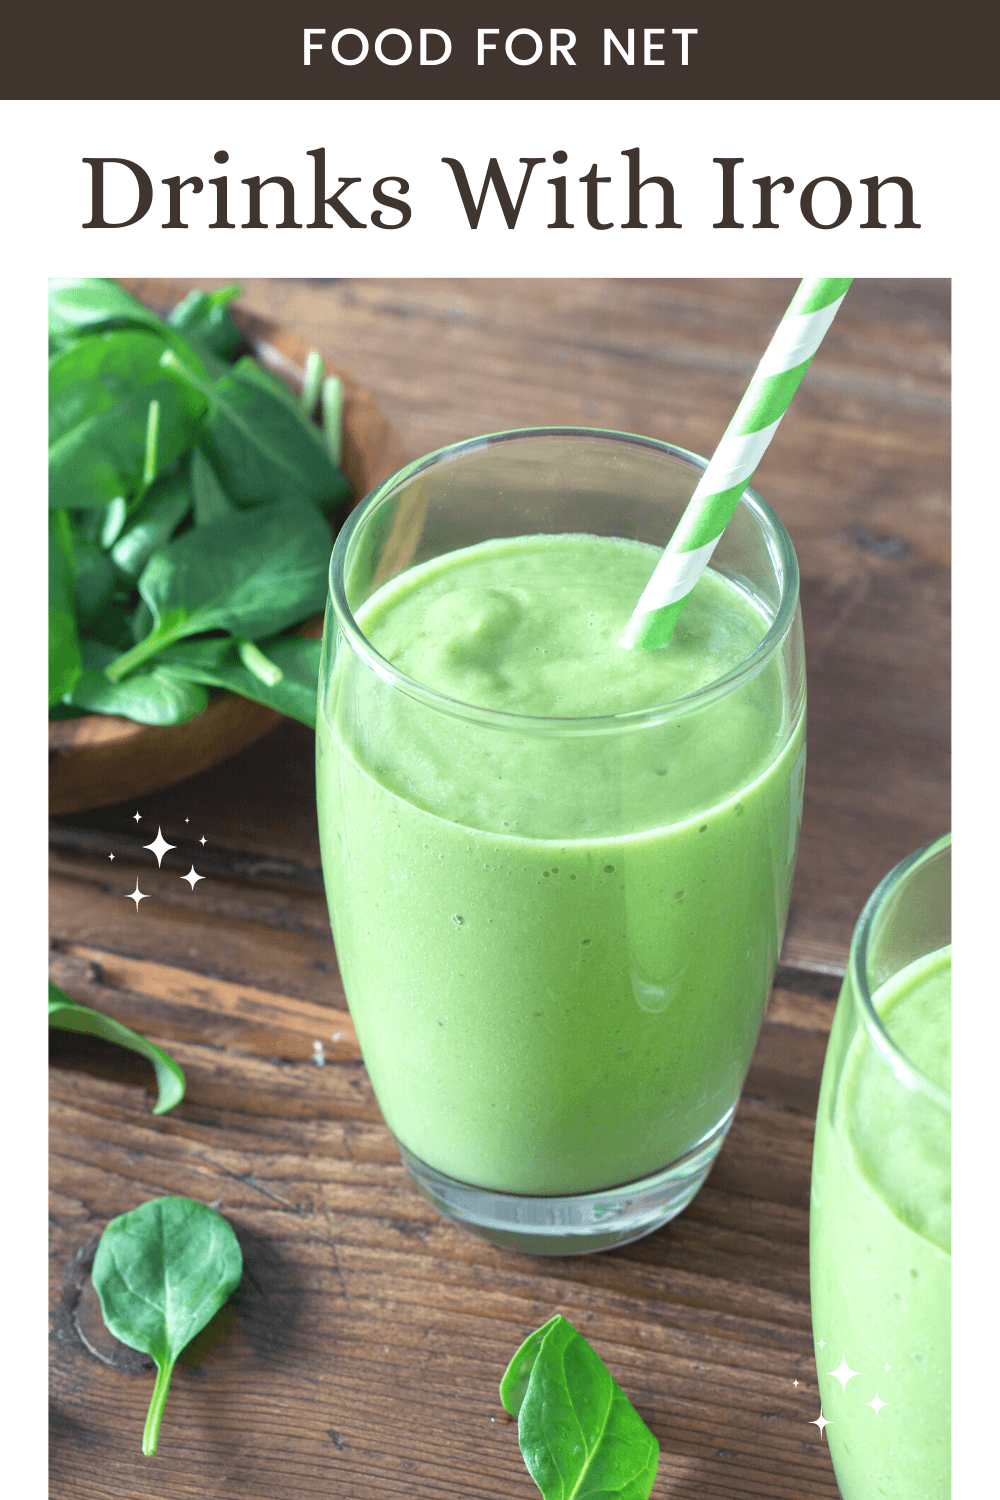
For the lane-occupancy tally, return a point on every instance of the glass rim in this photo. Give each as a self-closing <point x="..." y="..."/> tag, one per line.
<point x="787" y="571"/>
<point x="906" y="1071"/>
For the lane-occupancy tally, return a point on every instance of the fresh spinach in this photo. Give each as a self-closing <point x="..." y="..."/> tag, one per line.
<point x="162" y="451"/>
<point x="211" y="502"/>
<point x="88" y="304"/>
<point x="260" y="443"/>
<point x="205" y="320"/>
<point x="96" y="373"/>
<point x="105" y="455"/>
<point x="153" y="522"/>
<point x="113" y="627"/>
<point x="66" y="1015"/>
<point x="217" y="663"/>
<point x="580" y="1435"/>
<point x="65" y="664"/>
<point x="95" y="583"/>
<point x="155" y="697"/>
<point x="250" y="574"/>
<point x="161" y="1272"/>
<point x="82" y="306"/>
<point x="115" y="516"/>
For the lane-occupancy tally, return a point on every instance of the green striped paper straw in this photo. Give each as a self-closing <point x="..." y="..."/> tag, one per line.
<point x="775" y="381"/>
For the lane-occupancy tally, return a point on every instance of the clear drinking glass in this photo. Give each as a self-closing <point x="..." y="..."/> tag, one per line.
<point x="880" y="1223"/>
<point x="557" y="935"/>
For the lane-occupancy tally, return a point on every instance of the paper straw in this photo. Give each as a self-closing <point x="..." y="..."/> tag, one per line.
<point x="775" y="381"/>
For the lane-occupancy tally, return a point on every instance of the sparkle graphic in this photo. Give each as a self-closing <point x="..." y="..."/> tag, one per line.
<point x="192" y="877"/>
<point x="819" y="1422"/>
<point x="821" y="1344"/>
<point x="844" y="1373"/>
<point x="876" y="1405"/>
<point x="136" y="817"/>
<point x="202" y="839"/>
<point x="111" y="856"/>
<point x="137" y="896"/>
<point x="187" y="820"/>
<point x="887" y="1367"/>
<point x="159" y="846"/>
<point x="795" y="1382"/>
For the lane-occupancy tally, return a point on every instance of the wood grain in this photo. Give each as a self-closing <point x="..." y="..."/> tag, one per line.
<point x="362" y="1353"/>
<point x="365" y="1314"/>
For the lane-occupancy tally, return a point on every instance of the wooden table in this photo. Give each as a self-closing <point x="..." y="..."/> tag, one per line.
<point x="361" y="1355"/>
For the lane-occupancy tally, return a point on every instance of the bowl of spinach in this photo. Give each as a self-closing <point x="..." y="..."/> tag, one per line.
<point x="200" y="461"/>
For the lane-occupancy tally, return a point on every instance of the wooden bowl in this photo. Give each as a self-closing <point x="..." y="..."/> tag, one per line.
<point x="100" y="759"/>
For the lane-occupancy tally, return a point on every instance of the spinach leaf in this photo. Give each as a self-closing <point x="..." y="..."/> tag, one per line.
<point x="141" y="622"/>
<point x="94" y="374"/>
<point x="64" y="641"/>
<point x="90" y="524"/>
<point x="248" y="369"/>
<point x="161" y="1273"/>
<point x="580" y="1435"/>
<point x="163" y="508"/>
<point x="104" y="455"/>
<point x="259" y="441"/>
<point x="146" y="697"/>
<point x="217" y="663"/>
<point x="328" y="438"/>
<point x="204" y="318"/>
<point x="112" y="627"/>
<point x="65" y="1015"/>
<point x="149" y="430"/>
<point x="95" y="583"/>
<point x="252" y="574"/>
<point x="84" y="304"/>
<point x="115" y="516"/>
<point x="211" y="502"/>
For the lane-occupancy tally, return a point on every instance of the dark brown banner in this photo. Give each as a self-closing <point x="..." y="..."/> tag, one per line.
<point x="437" y="49"/>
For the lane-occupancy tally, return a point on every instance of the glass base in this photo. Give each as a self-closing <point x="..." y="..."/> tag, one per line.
<point x="576" y="1224"/>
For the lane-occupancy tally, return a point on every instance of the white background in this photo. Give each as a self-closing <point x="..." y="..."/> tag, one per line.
<point x="937" y="145"/>
<point x="676" y="140"/>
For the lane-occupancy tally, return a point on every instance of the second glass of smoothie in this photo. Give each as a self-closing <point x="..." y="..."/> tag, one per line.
<point x="558" y="871"/>
<point x="880" y="1217"/>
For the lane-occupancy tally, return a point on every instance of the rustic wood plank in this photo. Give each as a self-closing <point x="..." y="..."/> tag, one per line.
<point x="246" y="936"/>
<point x="234" y="1016"/>
<point x="354" y="1275"/>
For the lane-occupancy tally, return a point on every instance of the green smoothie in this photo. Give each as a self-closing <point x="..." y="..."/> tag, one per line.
<point x="557" y="919"/>
<point x="880" y="1250"/>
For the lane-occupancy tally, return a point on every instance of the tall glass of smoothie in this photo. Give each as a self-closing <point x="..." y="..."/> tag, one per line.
<point x="880" y="1226"/>
<point x="558" y="870"/>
